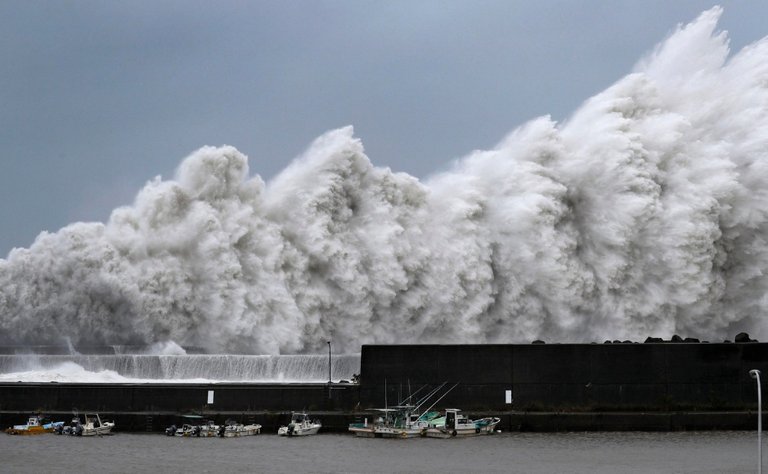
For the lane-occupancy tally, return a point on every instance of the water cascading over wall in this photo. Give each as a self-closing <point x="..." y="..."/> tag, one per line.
<point x="197" y="368"/>
<point x="644" y="214"/>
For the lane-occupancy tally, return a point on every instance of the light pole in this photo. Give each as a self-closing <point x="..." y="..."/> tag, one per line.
<point x="755" y="374"/>
<point x="329" y="370"/>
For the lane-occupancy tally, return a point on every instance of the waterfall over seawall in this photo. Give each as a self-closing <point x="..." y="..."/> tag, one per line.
<point x="177" y="368"/>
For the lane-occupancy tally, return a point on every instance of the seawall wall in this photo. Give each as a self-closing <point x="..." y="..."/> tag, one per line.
<point x="570" y="377"/>
<point x="551" y="387"/>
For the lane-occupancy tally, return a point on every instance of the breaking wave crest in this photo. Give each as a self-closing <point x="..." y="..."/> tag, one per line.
<point x="645" y="213"/>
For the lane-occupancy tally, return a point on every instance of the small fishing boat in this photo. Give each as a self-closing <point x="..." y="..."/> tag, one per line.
<point x="188" y="425"/>
<point x="300" y="425"/>
<point x="454" y="424"/>
<point x="35" y="425"/>
<point x="209" y="429"/>
<point x="375" y="429"/>
<point x="93" y="426"/>
<point x="395" y="422"/>
<point x="402" y="420"/>
<point x="232" y="429"/>
<point x="185" y="430"/>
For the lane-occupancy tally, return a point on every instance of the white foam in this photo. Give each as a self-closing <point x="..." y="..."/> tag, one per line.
<point x="644" y="214"/>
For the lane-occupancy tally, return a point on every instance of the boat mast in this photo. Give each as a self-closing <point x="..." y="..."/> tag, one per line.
<point x="446" y="393"/>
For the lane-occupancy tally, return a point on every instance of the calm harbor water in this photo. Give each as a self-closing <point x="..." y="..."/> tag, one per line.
<point x="623" y="452"/>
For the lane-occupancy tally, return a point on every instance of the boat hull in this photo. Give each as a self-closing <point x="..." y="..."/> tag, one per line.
<point x="283" y="431"/>
<point x="26" y="430"/>
<point x="386" y="432"/>
<point x="247" y="430"/>
<point x="482" y="429"/>
<point x="34" y="430"/>
<point x="362" y="431"/>
<point x="299" y="430"/>
<point x="100" y="431"/>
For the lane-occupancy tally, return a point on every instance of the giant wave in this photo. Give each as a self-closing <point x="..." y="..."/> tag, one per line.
<point x="645" y="213"/>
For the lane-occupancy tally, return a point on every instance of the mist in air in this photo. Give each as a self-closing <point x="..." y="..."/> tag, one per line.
<point x="644" y="214"/>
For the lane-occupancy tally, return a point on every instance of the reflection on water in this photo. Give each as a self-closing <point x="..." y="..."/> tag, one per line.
<point x="689" y="452"/>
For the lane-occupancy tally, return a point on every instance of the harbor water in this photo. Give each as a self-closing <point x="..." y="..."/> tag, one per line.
<point x="604" y="452"/>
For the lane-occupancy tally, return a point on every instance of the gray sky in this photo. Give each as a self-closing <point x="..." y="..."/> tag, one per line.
<point x="98" y="97"/>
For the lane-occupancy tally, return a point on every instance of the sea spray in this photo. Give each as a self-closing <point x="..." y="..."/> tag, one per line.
<point x="644" y="214"/>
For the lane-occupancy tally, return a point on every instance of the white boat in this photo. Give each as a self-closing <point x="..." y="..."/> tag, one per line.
<point x="300" y="425"/>
<point x="93" y="426"/>
<point x="454" y="424"/>
<point x="232" y="429"/>
<point x="209" y="430"/>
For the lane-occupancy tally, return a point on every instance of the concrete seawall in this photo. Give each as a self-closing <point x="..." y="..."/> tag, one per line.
<point x="551" y="387"/>
<point x="571" y="377"/>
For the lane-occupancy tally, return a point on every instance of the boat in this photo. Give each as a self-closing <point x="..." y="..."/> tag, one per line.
<point x="209" y="429"/>
<point x="190" y="426"/>
<point x="454" y="424"/>
<point x="233" y="429"/>
<point x="394" y="422"/>
<point x="185" y="430"/>
<point x="379" y="428"/>
<point x="93" y="426"/>
<point x="402" y="420"/>
<point x="300" y="425"/>
<point x="36" y="424"/>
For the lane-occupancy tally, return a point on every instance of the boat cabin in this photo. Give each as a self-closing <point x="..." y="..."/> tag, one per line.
<point x="454" y="419"/>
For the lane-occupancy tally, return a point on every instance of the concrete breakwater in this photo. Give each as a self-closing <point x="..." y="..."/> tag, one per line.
<point x="533" y="387"/>
<point x="572" y="377"/>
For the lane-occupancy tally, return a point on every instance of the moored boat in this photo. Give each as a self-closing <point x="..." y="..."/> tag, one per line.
<point x="94" y="426"/>
<point x="395" y="422"/>
<point x="300" y="425"/>
<point x="187" y="426"/>
<point x="454" y="424"/>
<point x="36" y="424"/>
<point x="232" y="429"/>
<point x="185" y="430"/>
<point x="403" y="420"/>
<point x="209" y="429"/>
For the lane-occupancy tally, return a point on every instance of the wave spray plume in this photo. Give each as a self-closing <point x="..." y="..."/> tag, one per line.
<point x="645" y="213"/>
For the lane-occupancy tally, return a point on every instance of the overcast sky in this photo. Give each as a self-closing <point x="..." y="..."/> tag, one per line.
<point x="98" y="97"/>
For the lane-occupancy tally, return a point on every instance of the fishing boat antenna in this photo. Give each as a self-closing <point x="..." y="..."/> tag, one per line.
<point x="443" y="396"/>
